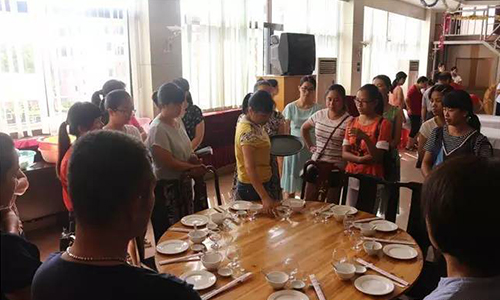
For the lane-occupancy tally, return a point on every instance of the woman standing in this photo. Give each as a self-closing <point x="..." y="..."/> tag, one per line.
<point x="329" y="125"/>
<point x="253" y="152"/>
<point x="397" y="95"/>
<point x="394" y="115"/>
<point x="120" y="108"/>
<point x="437" y="94"/>
<point x="459" y="136"/>
<point x="82" y="118"/>
<point x="193" y="117"/>
<point x="296" y="113"/>
<point x="98" y="99"/>
<point x="367" y="138"/>
<point x="172" y="156"/>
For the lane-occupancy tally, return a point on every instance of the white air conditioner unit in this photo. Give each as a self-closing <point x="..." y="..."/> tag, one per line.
<point x="326" y="76"/>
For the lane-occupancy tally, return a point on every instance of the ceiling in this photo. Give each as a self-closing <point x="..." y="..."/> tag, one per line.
<point x="453" y="3"/>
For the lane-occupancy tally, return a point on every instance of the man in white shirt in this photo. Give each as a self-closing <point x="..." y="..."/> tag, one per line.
<point x="456" y="78"/>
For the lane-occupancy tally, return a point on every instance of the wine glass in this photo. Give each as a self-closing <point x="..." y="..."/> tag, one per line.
<point x="348" y="223"/>
<point x="252" y="211"/>
<point x="339" y="255"/>
<point x="215" y="236"/>
<point x="325" y="216"/>
<point x="356" y="240"/>
<point x="283" y="212"/>
<point x="233" y="253"/>
<point x="291" y="267"/>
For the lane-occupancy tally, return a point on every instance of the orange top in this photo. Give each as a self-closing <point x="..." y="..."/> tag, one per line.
<point x="63" y="175"/>
<point x="381" y="140"/>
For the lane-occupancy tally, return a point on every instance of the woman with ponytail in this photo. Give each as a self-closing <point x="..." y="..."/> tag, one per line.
<point x="459" y="136"/>
<point x="397" y="95"/>
<point x="98" y="99"/>
<point x="82" y="118"/>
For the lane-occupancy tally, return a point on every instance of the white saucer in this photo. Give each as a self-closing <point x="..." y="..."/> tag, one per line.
<point x="400" y="251"/>
<point x="225" y="272"/>
<point x="374" y="285"/>
<point x="288" y="295"/>
<point x="191" y="220"/>
<point x="241" y="205"/>
<point x="199" y="279"/>
<point x="384" y="226"/>
<point x="360" y="269"/>
<point x="344" y="210"/>
<point x="172" y="247"/>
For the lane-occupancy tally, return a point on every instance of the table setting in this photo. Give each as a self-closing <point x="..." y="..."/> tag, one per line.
<point x="304" y="250"/>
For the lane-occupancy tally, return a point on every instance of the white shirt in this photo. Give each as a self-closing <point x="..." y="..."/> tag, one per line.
<point x="457" y="79"/>
<point x="133" y="131"/>
<point x="428" y="127"/>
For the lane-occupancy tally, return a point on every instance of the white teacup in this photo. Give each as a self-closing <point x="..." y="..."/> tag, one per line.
<point x="277" y="279"/>
<point x="339" y="216"/>
<point x="345" y="271"/>
<point x="372" y="248"/>
<point x="217" y="218"/>
<point x="197" y="236"/>
<point x="211" y="260"/>
<point x="367" y="229"/>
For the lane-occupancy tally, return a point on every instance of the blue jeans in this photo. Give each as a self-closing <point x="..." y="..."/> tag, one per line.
<point x="245" y="191"/>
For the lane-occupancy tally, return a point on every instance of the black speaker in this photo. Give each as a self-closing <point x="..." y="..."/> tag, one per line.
<point x="297" y="53"/>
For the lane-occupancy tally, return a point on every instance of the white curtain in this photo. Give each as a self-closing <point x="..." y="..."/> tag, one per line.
<point x="222" y="49"/>
<point x="318" y="17"/>
<point x="392" y="40"/>
<point x="60" y="52"/>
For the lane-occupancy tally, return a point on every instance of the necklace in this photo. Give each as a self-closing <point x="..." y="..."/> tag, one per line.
<point x="82" y="258"/>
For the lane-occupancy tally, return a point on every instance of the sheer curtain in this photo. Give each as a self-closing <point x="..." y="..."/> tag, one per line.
<point x="222" y="51"/>
<point x="318" y="17"/>
<point x="60" y="52"/>
<point x="391" y="41"/>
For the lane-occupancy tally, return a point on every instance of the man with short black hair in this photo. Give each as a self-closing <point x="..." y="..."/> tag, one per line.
<point x="462" y="220"/>
<point x="111" y="183"/>
<point x="414" y="105"/>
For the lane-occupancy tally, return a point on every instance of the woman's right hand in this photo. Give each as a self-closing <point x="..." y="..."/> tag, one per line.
<point x="198" y="171"/>
<point x="268" y="205"/>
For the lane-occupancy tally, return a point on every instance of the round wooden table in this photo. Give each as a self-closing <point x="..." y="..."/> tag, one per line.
<point x="266" y="242"/>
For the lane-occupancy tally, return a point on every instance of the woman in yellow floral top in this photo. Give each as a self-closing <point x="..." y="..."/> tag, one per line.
<point x="253" y="151"/>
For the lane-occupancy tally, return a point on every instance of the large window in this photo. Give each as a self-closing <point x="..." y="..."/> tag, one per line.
<point x="391" y="41"/>
<point x="54" y="53"/>
<point x="222" y="42"/>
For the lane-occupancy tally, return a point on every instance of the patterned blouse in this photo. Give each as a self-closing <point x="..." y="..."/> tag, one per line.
<point x="191" y="119"/>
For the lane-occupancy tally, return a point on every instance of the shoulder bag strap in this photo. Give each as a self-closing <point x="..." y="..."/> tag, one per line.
<point x="330" y="137"/>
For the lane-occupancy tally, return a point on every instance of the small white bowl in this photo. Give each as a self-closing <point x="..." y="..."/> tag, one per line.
<point x="345" y="271"/>
<point x="372" y="248"/>
<point x="212" y="226"/>
<point x="360" y="269"/>
<point x="217" y="218"/>
<point x="277" y="279"/>
<point x="197" y="236"/>
<point x="198" y="247"/>
<point x="225" y="272"/>
<point x="297" y="284"/>
<point x="367" y="229"/>
<point x="211" y="260"/>
<point x="295" y="204"/>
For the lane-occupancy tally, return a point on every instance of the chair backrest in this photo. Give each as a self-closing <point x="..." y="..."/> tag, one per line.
<point x="367" y="195"/>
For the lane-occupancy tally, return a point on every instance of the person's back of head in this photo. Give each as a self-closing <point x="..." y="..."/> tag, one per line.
<point x="262" y="84"/>
<point x="462" y="212"/>
<point x="111" y="182"/>
<point x="107" y="87"/>
<point x="183" y="84"/>
<point x="444" y="78"/>
<point x="244" y="104"/>
<point x="261" y="102"/>
<point x="8" y="167"/>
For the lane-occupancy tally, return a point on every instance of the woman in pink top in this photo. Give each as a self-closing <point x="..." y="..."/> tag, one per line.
<point x="397" y="97"/>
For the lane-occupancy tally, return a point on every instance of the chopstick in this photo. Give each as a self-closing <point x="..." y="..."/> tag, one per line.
<point x="367" y="220"/>
<point x="217" y="209"/>
<point x="180" y="259"/>
<point x="179" y="229"/>
<point x="227" y="286"/>
<point x="317" y="287"/>
<point x="390" y="241"/>
<point x="398" y="281"/>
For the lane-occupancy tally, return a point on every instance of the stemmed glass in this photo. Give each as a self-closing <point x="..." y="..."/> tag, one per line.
<point x="252" y="211"/>
<point x="356" y="240"/>
<point x="339" y="255"/>
<point x="233" y="253"/>
<point x="283" y="212"/>
<point x="291" y="267"/>
<point x="215" y="236"/>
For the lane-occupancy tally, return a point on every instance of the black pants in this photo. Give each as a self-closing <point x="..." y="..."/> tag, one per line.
<point x="415" y="125"/>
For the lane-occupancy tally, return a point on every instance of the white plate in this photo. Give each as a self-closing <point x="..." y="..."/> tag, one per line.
<point x="374" y="285"/>
<point x="199" y="279"/>
<point x="172" y="247"/>
<point x="400" y="251"/>
<point x="384" y="226"/>
<point x="294" y="203"/>
<point x="288" y="295"/>
<point x="199" y="220"/>
<point x="225" y="272"/>
<point x="241" y="205"/>
<point x="344" y="209"/>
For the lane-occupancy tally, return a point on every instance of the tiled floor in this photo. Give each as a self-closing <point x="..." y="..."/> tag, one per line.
<point x="47" y="239"/>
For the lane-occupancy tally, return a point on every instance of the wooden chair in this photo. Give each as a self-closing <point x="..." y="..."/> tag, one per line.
<point x="367" y="195"/>
<point x="334" y="179"/>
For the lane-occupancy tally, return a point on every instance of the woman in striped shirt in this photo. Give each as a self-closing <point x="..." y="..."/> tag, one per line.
<point x="329" y="126"/>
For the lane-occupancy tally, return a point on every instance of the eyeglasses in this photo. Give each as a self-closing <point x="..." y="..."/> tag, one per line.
<point x="362" y="101"/>
<point x="307" y="89"/>
<point x="126" y="111"/>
